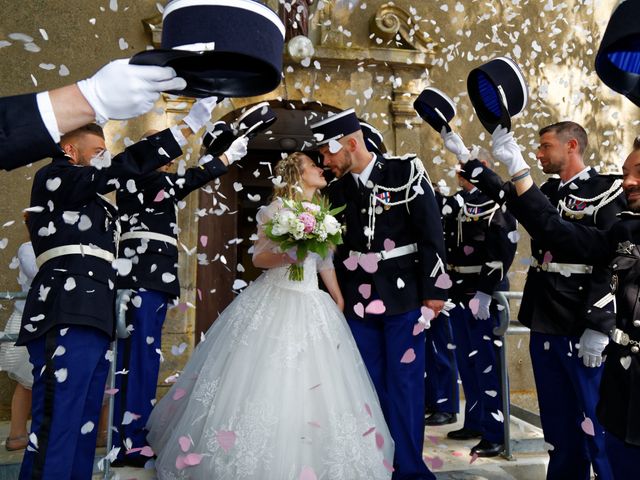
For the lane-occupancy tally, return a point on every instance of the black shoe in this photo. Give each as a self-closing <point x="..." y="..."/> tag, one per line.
<point x="487" y="449"/>
<point x="135" y="461"/>
<point x="440" y="418"/>
<point x="464" y="434"/>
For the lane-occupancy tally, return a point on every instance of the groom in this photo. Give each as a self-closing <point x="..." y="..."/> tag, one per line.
<point x="391" y="270"/>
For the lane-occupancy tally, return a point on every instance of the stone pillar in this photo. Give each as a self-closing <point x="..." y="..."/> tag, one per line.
<point x="407" y="86"/>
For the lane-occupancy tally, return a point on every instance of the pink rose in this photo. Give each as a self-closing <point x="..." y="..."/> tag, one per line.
<point x="308" y="220"/>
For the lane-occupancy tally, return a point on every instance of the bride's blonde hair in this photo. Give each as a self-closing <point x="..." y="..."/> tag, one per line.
<point x="290" y="170"/>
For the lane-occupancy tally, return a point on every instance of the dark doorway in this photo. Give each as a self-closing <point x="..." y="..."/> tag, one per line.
<point x="228" y="209"/>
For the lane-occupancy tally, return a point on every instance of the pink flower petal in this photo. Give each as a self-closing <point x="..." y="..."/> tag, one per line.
<point x="368" y="409"/>
<point x="379" y="441"/>
<point x="587" y="427"/>
<point x="376" y="307"/>
<point x="179" y="393"/>
<point x="204" y="240"/>
<point x="365" y="290"/>
<point x="369" y="432"/>
<point x="418" y="328"/>
<point x="314" y="424"/>
<point x="409" y="356"/>
<point x="226" y="440"/>
<point x="369" y="262"/>
<point x="111" y="391"/>
<point x="427" y="313"/>
<point x="307" y="473"/>
<point x="387" y="465"/>
<point x="457" y="454"/>
<point x="351" y="263"/>
<point x="180" y="464"/>
<point x="474" y="457"/>
<point x="147" y="451"/>
<point x="193" y="459"/>
<point x="468" y="249"/>
<point x="185" y="443"/>
<point x="474" y="304"/>
<point x="436" y="463"/>
<point x="160" y="196"/>
<point x="547" y="257"/>
<point x="358" y="308"/>
<point x="444" y="281"/>
<point x="389" y="244"/>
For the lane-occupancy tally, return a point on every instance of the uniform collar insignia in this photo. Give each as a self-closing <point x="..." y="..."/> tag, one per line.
<point x="625" y="248"/>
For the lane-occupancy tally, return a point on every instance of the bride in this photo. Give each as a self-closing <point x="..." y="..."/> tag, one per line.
<point x="277" y="390"/>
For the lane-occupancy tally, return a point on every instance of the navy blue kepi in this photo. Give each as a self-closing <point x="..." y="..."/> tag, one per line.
<point x="498" y="91"/>
<point x="228" y="48"/>
<point x="618" y="59"/>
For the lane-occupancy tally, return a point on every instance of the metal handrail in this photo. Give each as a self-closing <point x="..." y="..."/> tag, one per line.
<point x="503" y="329"/>
<point x="10" y="337"/>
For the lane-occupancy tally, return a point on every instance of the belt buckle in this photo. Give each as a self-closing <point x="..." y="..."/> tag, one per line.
<point x="620" y="337"/>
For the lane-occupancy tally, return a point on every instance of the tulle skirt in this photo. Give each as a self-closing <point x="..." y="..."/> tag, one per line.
<point x="276" y="391"/>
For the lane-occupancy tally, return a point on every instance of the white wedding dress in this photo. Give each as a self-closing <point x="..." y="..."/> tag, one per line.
<point x="276" y="391"/>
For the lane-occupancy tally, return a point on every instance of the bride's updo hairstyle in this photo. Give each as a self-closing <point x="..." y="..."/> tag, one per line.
<point x="290" y="170"/>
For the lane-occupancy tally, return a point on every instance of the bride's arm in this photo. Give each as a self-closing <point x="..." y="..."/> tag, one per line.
<point x="268" y="259"/>
<point x="331" y="282"/>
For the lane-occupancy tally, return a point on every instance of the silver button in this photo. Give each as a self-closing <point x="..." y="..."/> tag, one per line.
<point x="635" y="349"/>
<point x="636" y="323"/>
<point x="364" y="210"/>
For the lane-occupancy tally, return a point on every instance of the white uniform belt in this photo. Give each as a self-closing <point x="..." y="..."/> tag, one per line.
<point x="621" y="338"/>
<point x="465" y="268"/>
<point x="387" y="254"/>
<point x="553" y="267"/>
<point x="150" y="236"/>
<point x="74" y="250"/>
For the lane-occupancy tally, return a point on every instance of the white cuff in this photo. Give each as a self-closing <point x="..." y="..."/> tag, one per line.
<point x="178" y="135"/>
<point x="48" y="116"/>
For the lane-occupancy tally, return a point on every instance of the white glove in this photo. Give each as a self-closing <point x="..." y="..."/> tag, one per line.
<point x="119" y="90"/>
<point x="592" y="344"/>
<point x="506" y="150"/>
<point x="200" y="113"/>
<point x="455" y="145"/>
<point x="237" y="150"/>
<point x="484" y="301"/>
<point x="123" y="297"/>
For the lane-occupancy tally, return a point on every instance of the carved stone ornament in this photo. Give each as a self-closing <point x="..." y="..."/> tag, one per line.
<point x="394" y="27"/>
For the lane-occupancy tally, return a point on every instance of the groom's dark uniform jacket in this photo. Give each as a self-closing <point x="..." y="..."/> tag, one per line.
<point x="405" y="281"/>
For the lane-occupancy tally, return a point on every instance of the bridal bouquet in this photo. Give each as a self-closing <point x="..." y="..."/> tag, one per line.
<point x="307" y="227"/>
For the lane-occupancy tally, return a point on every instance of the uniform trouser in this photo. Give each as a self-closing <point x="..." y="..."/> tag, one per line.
<point x="69" y="374"/>
<point x="138" y="354"/>
<point x="623" y="457"/>
<point x="479" y="372"/>
<point x="441" y="371"/>
<point x="383" y="340"/>
<point x="567" y="396"/>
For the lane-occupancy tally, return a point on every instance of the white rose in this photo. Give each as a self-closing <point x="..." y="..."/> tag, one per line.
<point x="331" y="225"/>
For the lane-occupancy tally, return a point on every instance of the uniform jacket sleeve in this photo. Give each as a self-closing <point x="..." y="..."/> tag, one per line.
<point x="79" y="185"/>
<point x="24" y="138"/>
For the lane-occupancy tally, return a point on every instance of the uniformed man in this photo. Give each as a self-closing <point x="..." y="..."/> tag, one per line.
<point x="480" y="250"/>
<point x="390" y="267"/>
<point x="68" y="319"/>
<point x="554" y="297"/>
<point x="614" y="282"/>
<point x="442" y="392"/>
<point x="31" y="124"/>
<point x="148" y="214"/>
